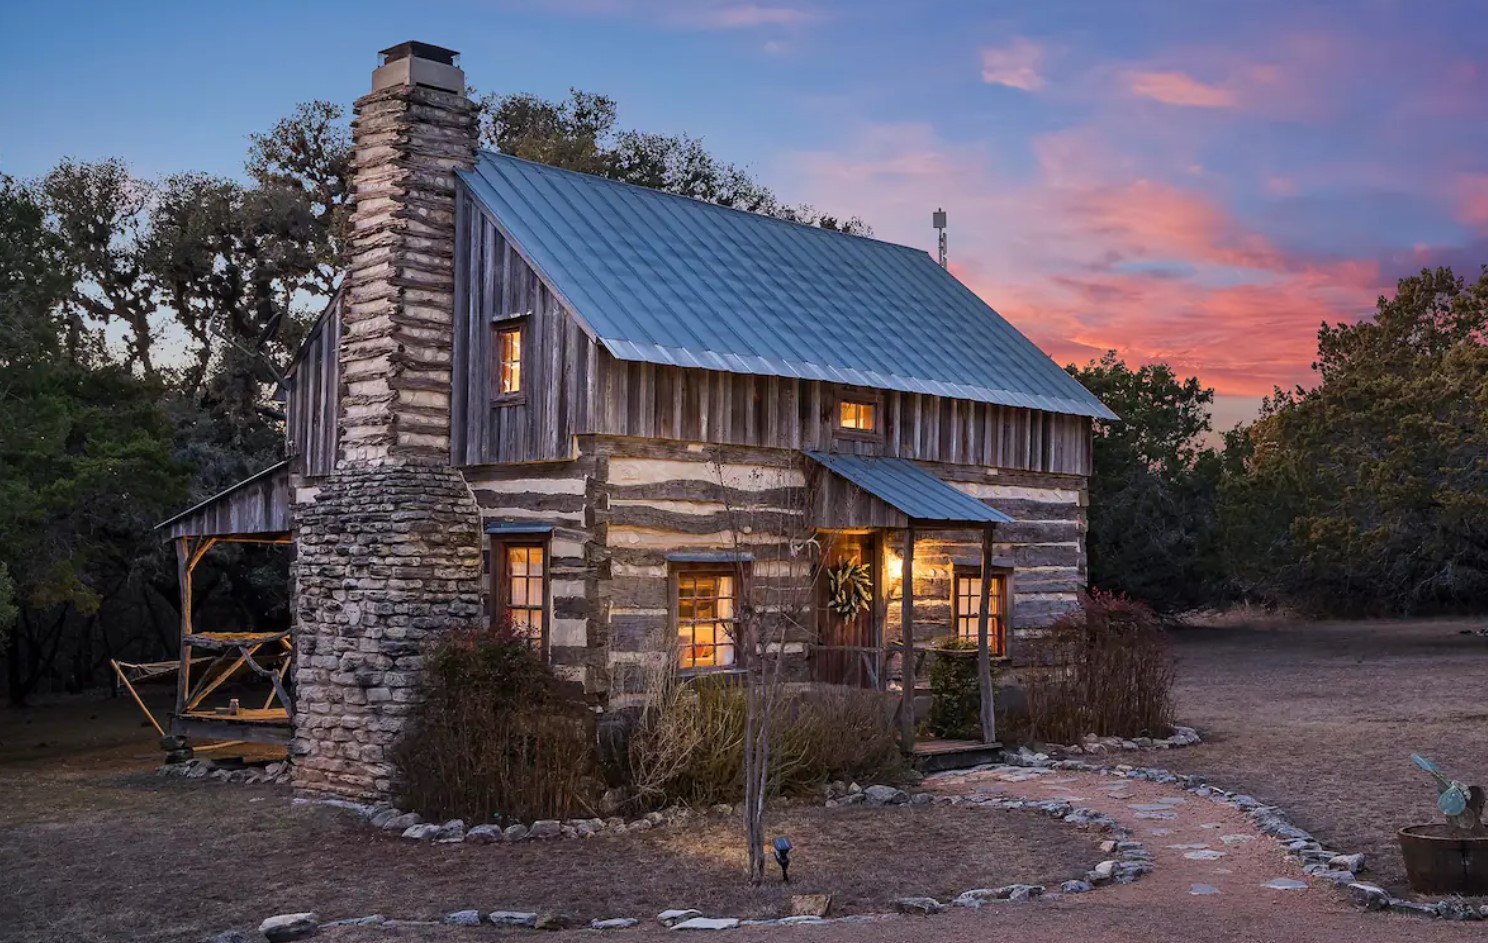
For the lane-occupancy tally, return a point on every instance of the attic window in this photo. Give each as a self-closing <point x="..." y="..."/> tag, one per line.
<point x="857" y="415"/>
<point x="509" y="343"/>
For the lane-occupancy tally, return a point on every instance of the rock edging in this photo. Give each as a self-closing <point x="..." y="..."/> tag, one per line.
<point x="275" y="773"/>
<point x="1094" y="745"/>
<point x="1131" y="861"/>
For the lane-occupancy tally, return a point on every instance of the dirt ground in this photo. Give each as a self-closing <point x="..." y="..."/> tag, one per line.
<point x="95" y="847"/>
<point x="1321" y="719"/>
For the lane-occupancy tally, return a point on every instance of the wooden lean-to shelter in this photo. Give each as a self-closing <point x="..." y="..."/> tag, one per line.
<point x="255" y="510"/>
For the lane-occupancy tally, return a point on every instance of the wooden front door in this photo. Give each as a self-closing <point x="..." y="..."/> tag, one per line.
<point x="849" y="653"/>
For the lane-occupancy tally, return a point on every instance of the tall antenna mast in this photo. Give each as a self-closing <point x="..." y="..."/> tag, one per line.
<point x="938" y="220"/>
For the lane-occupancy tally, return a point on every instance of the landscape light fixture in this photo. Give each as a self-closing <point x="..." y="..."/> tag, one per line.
<point x="782" y="857"/>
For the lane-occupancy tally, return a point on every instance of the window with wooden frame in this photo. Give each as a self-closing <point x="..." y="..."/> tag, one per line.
<point x="704" y="607"/>
<point x="511" y="344"/>
<point x="966" y="603"/>
<point x="858" y="415"/>
<point x="520" y="589"/>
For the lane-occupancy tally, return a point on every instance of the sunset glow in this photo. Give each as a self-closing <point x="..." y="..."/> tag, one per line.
<point x="1198" y="183"/>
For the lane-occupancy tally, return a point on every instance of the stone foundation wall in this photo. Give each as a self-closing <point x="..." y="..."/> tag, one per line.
<point x="389" y="557"/>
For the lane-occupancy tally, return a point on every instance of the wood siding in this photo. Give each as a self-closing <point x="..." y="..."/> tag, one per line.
<point x="312" y="425"/>
<point x="495" y="285"/>
<point x="650" y="401"/>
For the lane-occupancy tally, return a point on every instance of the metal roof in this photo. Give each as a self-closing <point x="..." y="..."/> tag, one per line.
<point x="908" y="487"/>
<point x="666" y="279"/>
<point x="237" y="510"/>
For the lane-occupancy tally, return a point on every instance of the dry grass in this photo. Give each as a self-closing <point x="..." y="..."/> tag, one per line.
<point x="1321" y="718"/>
<point x="94" y="847"/>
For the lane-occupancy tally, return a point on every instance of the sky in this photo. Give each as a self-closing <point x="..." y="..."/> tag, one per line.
<point x="1201" y="183"/>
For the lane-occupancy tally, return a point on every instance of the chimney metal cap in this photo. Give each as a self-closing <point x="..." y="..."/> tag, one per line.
<point x="417" y="50"/>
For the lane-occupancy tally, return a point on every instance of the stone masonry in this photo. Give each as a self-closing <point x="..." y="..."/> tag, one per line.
<point x="389" y="549"/>
<point x="388" y="557"/>
<point x="400" y="290"/>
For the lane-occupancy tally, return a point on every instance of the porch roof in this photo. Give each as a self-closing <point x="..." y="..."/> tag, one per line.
<point x="909" y="489"/>
<point x="257" y="506"/>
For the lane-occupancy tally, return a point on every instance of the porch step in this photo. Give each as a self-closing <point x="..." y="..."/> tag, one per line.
<point x="933" y="756"/>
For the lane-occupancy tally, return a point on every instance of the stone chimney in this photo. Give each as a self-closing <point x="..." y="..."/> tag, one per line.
<point x="411" y="134"/>
<point x="389" y="548"/>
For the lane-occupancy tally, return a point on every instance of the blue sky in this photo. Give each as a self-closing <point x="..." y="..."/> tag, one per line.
<point x="1196" y="182"/>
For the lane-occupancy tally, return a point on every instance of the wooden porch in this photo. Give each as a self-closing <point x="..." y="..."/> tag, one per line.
<point x="860" y="502"/>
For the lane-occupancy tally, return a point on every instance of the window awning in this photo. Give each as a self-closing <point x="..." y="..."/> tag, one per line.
<point x="518" y="527"/>
<point x="911" y="491"/>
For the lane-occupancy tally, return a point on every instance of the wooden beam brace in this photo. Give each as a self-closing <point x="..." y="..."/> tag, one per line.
<point x="135" y="694"/>
<point x="216" y="682"/>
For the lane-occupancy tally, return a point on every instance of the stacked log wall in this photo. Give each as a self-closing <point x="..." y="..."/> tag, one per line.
<point x="626" y="508"/>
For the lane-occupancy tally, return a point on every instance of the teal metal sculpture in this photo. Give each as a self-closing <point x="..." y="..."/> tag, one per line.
<point x="1460" y="803"/>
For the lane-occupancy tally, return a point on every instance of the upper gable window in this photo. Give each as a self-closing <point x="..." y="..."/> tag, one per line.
<point x="510" y="342"/>
<point x="857" y="415"/>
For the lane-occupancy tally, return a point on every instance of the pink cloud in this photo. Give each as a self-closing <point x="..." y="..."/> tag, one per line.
<point x="1178" y="88"/>
<point x="1472" y="200"/>
<point x="1090" y="253"/>
<point x="1017" y="65"/>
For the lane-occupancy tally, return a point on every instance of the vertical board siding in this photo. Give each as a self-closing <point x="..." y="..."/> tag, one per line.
<point x="645" y="400"/>
<point x="314" y="397"/>
<point x="494" y="285"/>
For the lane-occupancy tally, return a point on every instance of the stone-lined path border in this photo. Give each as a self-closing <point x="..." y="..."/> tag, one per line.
<point x="1340" y="869"/>
<point x="1201" y="840"/>
<point x="1122" y="860"/>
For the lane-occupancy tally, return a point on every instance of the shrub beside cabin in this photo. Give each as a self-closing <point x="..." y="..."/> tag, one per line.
<point x="610" y="417"/>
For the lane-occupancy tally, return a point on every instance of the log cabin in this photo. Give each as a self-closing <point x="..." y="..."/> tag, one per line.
<point x="601" y="414"/>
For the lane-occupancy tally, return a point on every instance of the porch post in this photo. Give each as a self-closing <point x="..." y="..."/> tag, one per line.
<point x="984" y="656"/>
<point x="183" y="576"/>
<point x="906" y="623"/>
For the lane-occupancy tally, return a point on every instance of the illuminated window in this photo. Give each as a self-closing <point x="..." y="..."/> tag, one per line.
<point x="966" y="603"/>
<point x="522" y="590"/>
<point x="705" y="618"/>
<point x="509" y="361"/>
<point x="857" y="415"/>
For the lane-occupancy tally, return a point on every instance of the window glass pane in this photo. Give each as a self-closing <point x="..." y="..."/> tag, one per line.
<point x="523" y="591"/>
<point x="856" y="415"/>
<point x="967" y="602"/>
<point x="705" y="610"/>
<point x="509" y="357"/>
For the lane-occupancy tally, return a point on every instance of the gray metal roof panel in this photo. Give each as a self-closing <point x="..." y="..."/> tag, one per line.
<point x="670" y="280"/>
<point x="919" y="494"/>
<point x="273" y="469"/>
